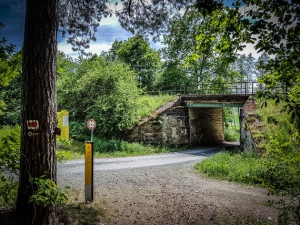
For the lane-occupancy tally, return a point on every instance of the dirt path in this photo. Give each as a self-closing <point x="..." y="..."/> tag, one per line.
<point x="169" y="194"/>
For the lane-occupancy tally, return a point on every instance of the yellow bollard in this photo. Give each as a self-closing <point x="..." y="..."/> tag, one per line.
<point x="89" y="173"/>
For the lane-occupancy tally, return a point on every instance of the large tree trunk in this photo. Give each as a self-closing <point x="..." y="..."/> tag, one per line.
<point x="38" y="108"/>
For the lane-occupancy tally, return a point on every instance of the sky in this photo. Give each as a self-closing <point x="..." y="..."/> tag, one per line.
<point x="12" y="14"/>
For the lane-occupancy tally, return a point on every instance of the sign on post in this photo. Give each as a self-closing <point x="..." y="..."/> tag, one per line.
<point x="91" y="125"/>
<point x="63" y="123"/>
<point x="89" y="163"/>
<point x="89" y="171"/>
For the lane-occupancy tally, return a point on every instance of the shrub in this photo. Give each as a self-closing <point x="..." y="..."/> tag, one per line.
<point x="9" y="163"/>
<point x="232" y="135"/>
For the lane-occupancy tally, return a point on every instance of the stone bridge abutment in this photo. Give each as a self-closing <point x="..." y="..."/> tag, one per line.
<point x="192" y="120"/>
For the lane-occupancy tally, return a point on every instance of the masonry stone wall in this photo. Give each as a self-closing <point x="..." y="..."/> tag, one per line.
<point x="249" y="124"/>
<point x="246" y="140"/>
<point x="170" y="127"/>
<point x="179" y="125"/>
<point x="176" y="124"/>
<point x="206" y="126"/>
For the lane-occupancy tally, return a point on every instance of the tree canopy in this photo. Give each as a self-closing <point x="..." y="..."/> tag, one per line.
<point x="107" y="93"/>
<point x="273" y="27"/>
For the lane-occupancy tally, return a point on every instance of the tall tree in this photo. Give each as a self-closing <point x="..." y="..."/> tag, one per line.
<point x="137" y="53"/>
<point x="79" y="20"/>
<point x="9" y="67"/>
<point x="245" y="66"/>
<point x="273" y="27"/>
<point x="38" y="132"/>
<point x="202" y="64"/>
<point x="262" y="61"/>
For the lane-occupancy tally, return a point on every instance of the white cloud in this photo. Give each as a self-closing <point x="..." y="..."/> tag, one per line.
<point x="95" y="48"/>
<point x="108" y="31"/>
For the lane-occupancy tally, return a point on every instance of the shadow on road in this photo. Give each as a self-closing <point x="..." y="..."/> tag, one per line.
<point x="209" y="150"/>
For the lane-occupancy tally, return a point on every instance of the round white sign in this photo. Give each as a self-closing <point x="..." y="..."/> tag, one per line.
<point x="91" y="124"/>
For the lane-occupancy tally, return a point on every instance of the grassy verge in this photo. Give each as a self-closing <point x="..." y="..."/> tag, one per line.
<point x="232" y="134"/>
<point x="148" y="104"/>
<point x="110" y="148"/>
<point x="238" y="167"/>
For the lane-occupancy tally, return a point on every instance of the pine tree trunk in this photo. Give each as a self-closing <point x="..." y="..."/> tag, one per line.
<point x="38" y="138"/>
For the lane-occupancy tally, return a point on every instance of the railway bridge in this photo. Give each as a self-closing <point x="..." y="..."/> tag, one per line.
<point x="196" y="118"/>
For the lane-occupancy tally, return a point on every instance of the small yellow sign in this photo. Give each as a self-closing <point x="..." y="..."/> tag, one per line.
<point x="63" y="123"/>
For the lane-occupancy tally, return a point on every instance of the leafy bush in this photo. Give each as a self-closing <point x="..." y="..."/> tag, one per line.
<point x="78" y="131"/>
<point x="114" y="147"/>
<point x="282" y="179"/>
<point x="62" y="156"/>
<point x="232" y="135"/>
<point x="103" y="146"/>
<point x="281" y="142"/>
<point x="47" y="193"/>
<point x="9" y="163"/>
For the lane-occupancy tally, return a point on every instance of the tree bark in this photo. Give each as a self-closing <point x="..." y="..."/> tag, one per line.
<point x="38" y="139"/>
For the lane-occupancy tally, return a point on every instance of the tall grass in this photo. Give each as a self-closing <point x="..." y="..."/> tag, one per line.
<point x="148" y="104"/>
<point x="238" y="167"/>
<point x="232" y="135"/>
<point x="119" y="148"/>
<point x="110" y="148"/>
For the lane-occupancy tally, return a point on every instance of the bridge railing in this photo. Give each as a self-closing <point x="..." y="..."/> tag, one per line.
<point x="239" y="88"/>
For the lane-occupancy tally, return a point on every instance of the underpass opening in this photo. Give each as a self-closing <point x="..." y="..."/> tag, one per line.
<point x="213" y="122"/>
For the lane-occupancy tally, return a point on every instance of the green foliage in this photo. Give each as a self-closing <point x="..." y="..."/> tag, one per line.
<point x="105" y="91"/>
<point x="10" y="148"/>
<point x="9" y="164"/>
<point x="232" y="135"/>
<point x="119" y="148"/>
<point x="241" y="167"/>
<point x="11" y="99"/>
<point x="47" y="193"/>
<point x="234" y="27"/>
<point x="63" y="156"/>
<point x="8" y="61"/>
<point x="111" y="90"/>
<point x="137" y="53"/>
<point x="282" y="179"/>
<point x="281" y="141"/>
<point x="245" y="66"/>
<point x="187" y="61"/>
<point x="147" y="104"/>
<point x="8" y="191"/>
<point x="10" y="67"/>
<point x="173" y="75"/>
<point x="223" y="31"/>
<point x="280" y="133"/>
<point x="231" y="131"/>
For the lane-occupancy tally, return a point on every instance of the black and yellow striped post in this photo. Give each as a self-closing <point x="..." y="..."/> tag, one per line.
<point x="89" y="171"/>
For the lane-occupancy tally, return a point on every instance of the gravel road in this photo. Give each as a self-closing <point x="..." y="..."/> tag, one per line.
<point x="165" y="189"/>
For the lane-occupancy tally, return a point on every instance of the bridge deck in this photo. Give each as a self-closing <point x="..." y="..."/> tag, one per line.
<point x="215" y="101"/>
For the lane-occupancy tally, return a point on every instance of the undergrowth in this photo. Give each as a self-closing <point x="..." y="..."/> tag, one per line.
<point x="113" y="148"/>
<point x="277" y="168"/>
<point x="237" y="167"/>
<point x="148" y="104"/>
